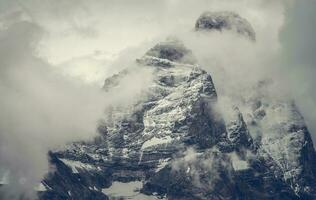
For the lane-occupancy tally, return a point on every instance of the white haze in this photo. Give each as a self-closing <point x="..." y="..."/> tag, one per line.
<point x="90" y="40"/>
<point x="299" y="61"/>
<point x="39" y="109"/>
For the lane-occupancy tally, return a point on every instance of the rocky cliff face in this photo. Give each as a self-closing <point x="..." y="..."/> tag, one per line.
<point x="173" y="143"/>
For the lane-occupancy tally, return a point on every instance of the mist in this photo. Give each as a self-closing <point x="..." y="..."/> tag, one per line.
<point x="55" y="56"/>
<point x="298" y="59"/>
<point x="43" y="109"/>
<point x="39" y="109"/>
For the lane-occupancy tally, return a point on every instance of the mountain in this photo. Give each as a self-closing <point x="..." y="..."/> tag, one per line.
<point x="174" y="143"/>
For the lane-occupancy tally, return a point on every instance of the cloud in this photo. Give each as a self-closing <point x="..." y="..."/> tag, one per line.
<point x="203" y="169"/>
<point x="39" y="109"/>
<point x="42" y="110"/>
<point x="111" y="26"/>
<point x="299" y="63"/>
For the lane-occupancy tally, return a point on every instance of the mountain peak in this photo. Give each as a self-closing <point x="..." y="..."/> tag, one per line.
<point x="170" y="50"/>
<point x="225" y="20"/>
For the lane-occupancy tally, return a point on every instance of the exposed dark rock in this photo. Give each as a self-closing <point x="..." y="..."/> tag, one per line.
<point x="222" y="21"/>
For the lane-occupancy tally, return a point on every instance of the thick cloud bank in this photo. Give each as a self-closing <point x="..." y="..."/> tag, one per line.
<point x="40" y="110"/>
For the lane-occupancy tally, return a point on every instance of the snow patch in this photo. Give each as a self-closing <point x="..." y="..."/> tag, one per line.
<point x="162" y="164"/>
<point x="40" y="188"/>
<point x="156" y="141"/>
<point x="125" y="152"/>
<point x="237" y="163"/>
<point x="128" y="190"/>
<point x="75" y="165"/>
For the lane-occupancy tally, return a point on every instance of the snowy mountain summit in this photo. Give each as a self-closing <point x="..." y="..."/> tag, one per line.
<point x="174" y="143"/>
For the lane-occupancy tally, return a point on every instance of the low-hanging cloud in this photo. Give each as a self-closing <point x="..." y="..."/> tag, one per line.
<point x="39" y="109"/>
<point x="42" y="110"/>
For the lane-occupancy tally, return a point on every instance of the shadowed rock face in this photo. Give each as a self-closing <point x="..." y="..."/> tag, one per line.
<point x="176" y="113"/>
<point x="222" y="21"/>
<point x="173" y="144"/>
<point x="171" y="50"/>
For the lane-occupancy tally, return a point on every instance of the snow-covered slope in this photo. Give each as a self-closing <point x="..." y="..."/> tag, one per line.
<point x="280" y="130"/>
